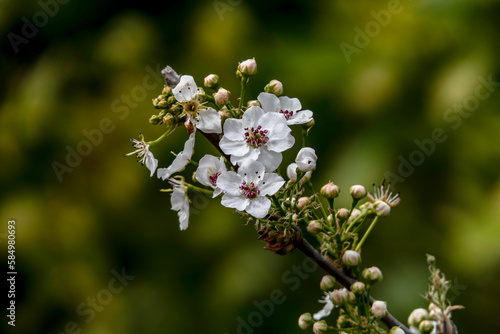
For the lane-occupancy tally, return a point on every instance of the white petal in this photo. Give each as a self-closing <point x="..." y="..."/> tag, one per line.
<point x="291" y="172"/>
<point x="234" y="147"/>
<point x="209" y="121"/>
<point x="180" y="161"/>
<point x="290" y="104"/>
<point x="271" y="184"/>
<point x="252" y="154"/>
<point x="259" y="207"/>
<point x="281" y="144"/>
<point x="233" y="129"/>
<point x="217" y="192"/>
<point x="151" y="162"/>
<point x="275" y="123"/>
<point x="251" y="170"/>
<point x="301" y="117"/>
<point x="180" y="203"/>
<point x="251" y="117"/>
<point x="186" y="89"/>
<point x="270" y="159"/>
<point x="207" y="167"/>
<point x="327" y="309"/>
<point x="238" y="202"/>
<point x="230" y="183"/>
<point x="269" y="102"/>
<point x="306" y="159"/>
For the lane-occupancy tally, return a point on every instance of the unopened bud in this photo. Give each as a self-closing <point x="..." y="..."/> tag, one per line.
<point x="396" y="330"/>
<point x="379" y="309"/>
<point x="358" y="288"/>
<point x="342" y="215"/>
<point x="166" y="90"/>
<point x="274" y="87"/>
<point x="426" y="326"/>
<point x="306" y="159"/>
<point x="154" y="119"/>
<point x="314" y="227"/>
<point x="168" y="120"/>
<point x="330" y="218"/>
<point x="221" y="97"/>
<point x="354" y="215"/>
<point x="211" y="80"/>
<point x="291" y="172"/>
<point x="339" y="296"/>
<point x="320" y="327"/>
<point x="382" y="209"/>
<point x="358" y="192"/>
<point x="248" y="67"/>
<point x="305" y="320"/>
<point x="351" y="298"/>
<point x="302" y="202"/>
<point x="372" y="275"/>
<point x="343" y="321"/>
<point x="330" y="190"/>
<point x="417" y="316"/>
<point x="306" y="178"/>
<point x="253" y="103"/>
<point x="224" y="113"/>
<point x="351" y="258"/>
<point x="327" y="282"/>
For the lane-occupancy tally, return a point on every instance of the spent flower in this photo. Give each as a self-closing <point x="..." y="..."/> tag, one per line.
<point x="143" y="154"/>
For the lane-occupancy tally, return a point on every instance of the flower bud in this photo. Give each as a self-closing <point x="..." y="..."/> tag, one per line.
<point x="248" y="67"/>
<point x="302" y="202"/>
<point x="339" y="296"/>
<point x="320" y="327"/>
<point x="417" y="316"/>
<point x="426" y="326"/>
<point x="358" y="192"/>
<point x="211" y="80"/>
<point x="330" y="218"/>
<point x="330" y="190"/>
<point x="224" y="113"/>
<point x="291" y="172"/>
<point x="327" y="282"/>
<point x="166" y="90"/>
<point x="358" y="288"/>
<point x="306" y="159"/>
<point x="382" y="209"/>
<point x="168" y="120"/>
<point x="221" y="97"/>
<point x="314" y="227"/>
<point x="343" y="321"/>
<point x="351" y="258"/>
<point x="342" y="215"/>
<point x="154" y="119"/>
<point x="372" y="275"/>
<point x="253" y="103"/>
<point x="351" y="298"/>
<point x="354" y="215"/>
<point x="396" y="330"/>
<point x="379" y="309"/>
<point x="305" y="320"/>
<point x="274" y="87"/>
<point x="306" y="178"/>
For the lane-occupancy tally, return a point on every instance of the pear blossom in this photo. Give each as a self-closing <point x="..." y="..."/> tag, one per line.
<point x="306" y="159"/>
<point x="209" y="170"/>
<point x="383" y="200"/>
<point x="207" y="120"/>
<point x="327" y="309"/>
<point x="290" y="108"/>
<point x="180" y="203"/>
<point x="143" y="154"/>
<point x="379" y="309"/>
<point x="258" y="136"/>
<point x="247" y="189"/>
<point x="180" y="161"/>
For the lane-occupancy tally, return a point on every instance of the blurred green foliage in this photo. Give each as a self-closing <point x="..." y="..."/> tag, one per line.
<point x="108" y="214"/>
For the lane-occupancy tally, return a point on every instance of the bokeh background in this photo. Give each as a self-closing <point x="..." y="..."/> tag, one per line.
<point x="108" y="214"/>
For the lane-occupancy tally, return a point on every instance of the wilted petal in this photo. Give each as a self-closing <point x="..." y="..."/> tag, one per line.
<point x="180" y="203"/>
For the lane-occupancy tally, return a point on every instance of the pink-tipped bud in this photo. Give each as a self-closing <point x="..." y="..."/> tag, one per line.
<point x="320" y="327"/>
<point x="274" y="87"/>
<point x="379" y="309"/>
<point x="327" y="282"/>
<point x="358" y="192"/>
<point x="253" y="103"/>
<point x="358" y="288"/>
<point x="221" y="97"/>
<point x="211" y="80"/>
<point x="302" y="202"/>
<point x="342" y="215"/>
<point x="372" y="275"/>
<point x="305" y="320"/>
<point x="330" y="190"/>
<point x="339" y="297"/>
<point x="396" y="330"/>
<point x="351" y="258"/>
<point x="248" y="67"/>
<point x="314" y="227"/>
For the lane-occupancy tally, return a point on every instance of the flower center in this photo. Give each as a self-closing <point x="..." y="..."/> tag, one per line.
<point x="213" y="178"/>
<point x="287" y="113"/>
<point x="191" y="107"/>
<point x="256" y="137"/>
<point x="249" y="190"/>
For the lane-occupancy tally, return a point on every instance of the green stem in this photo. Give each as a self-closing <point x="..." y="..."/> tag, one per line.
<point x="372" y="225"/>
<point x="278" y="205"/>
<point x="159" y="139"/>
<point x="198" y="189"/>
<point x="244" y="82"/>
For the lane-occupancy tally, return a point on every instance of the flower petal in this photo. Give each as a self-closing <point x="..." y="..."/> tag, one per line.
<point x="259" y="207"/>
<point x="280" y="144"/>
<point x="186" y="90"/>
<point x="238" y="202"/>
<point x="180" y="161"/>
<point x="251" y="171"/>
<point x="291" y="104"/>
<point x="271" y="160"/>
<point x="233" y="129"/>
<point x="269" y="102"/>
<point x="209" y="121"/>
<point x="180" y="203"/>
<point x="234" y="147"/>
<point x="230" y="183"/>
<point x="271" y="184"/>
<point x="151" y="162"/>
<point x="251" y="117"/>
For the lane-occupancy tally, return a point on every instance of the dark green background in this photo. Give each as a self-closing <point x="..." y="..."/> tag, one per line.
<point x="108" y="214"/>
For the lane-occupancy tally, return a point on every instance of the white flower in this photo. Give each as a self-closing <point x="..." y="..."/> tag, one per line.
<point x="306" y="159"/>
<point x="291" y="172"/>
<point x="290" y="108"/>
<point x="143" y="154"/>
<point x="186" y="90"/>
<point x="327" y="309"/>
<point x="382" y="200"/>
<point x="247" y="190"/>
<point x="208" y="120"/>
<point x="209" y="170"/>
<point x="180" y="203"/>
<point x="379" y="309"/>
<point x="180" y="161"/>
<point x="259" y="136"/>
